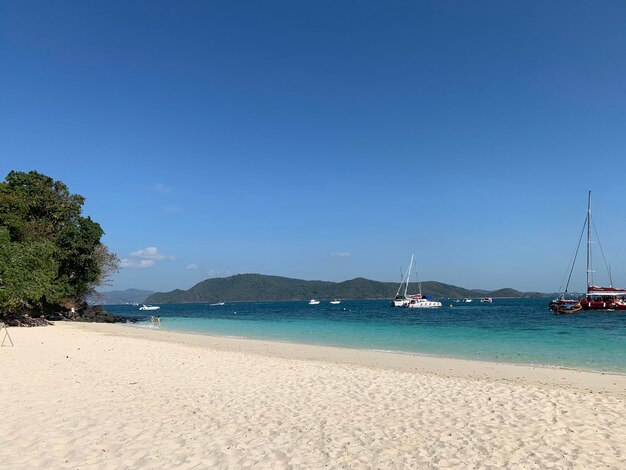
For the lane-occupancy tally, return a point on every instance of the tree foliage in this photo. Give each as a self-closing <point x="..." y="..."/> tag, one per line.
<point x="49" y="252"/>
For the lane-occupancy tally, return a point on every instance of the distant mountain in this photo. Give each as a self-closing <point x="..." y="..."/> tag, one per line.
<point x="128" y="296"/>
<point x="259" y="287"/>
<point x="515" y="293"/>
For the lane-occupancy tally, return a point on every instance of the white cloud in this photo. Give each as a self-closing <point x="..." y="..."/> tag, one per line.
<point x="161" y="188"/>
<point x="144" y="258"/>
<point x="136" y="264"/>
<point x="341" y="254"/>
<point x="152" y="252"/>
<point x="192" y="266"/>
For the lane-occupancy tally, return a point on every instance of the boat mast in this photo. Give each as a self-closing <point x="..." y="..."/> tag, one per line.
<point x="401" y="283"/>
<point x="589" y="267"/>
<point x="405" y="279"/>
<point x="408" y="277"/>
<point x="419" y="283"/>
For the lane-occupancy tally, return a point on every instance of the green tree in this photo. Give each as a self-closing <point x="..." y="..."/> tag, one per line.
<point x="49" y="252"/>
<point x="27" y="271"/>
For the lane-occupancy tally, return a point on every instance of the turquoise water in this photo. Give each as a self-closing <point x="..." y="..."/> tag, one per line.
<point x="508" y="330"/>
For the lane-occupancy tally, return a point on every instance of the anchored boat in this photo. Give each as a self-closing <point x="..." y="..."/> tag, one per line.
<point x="412" y="300"/>
<point x="597" y="297"/>
<point x="149" y="307"/>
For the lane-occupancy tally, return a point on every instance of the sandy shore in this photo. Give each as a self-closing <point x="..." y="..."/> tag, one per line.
<point x="115" y="396"/>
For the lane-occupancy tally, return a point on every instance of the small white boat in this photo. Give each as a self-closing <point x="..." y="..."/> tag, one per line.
<point x="217" y="303"/>
<point x="486" y="300"/>
<point x="467" y="300"/>
<point x="335" y="302"/>
<point x="149" y="307"/>
<point x="313" y="302"/>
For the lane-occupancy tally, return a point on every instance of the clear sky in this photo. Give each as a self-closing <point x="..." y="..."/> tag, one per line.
<point x="326" y="139"/>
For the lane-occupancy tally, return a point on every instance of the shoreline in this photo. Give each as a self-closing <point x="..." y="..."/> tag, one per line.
<point x="542" y="375"/>
<point x="109" y="396"/>
<point x="386" y="351"/>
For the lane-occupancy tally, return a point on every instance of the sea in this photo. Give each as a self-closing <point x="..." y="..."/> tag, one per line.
<point x="521" y="331"/>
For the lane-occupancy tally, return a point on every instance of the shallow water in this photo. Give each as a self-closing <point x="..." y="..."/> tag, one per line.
<point x="508" y="330"/>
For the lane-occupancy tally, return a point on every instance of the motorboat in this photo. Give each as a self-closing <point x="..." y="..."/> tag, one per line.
<point x="314" y="302"/>
<point x="486" y="300"/>
<point x="335" y="301"/>
<point x="216" y="304"/>
<point x="149" y="307"/>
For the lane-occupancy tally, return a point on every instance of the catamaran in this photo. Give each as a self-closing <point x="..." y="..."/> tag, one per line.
<point x="412" y="300"/>
<point x="419" y="301"/>
<point x="597" y="297"/>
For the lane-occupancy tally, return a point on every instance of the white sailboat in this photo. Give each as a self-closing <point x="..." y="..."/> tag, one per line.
<point x="401" y="299"/>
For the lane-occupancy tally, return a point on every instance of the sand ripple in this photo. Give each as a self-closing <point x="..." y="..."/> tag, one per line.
<point x="77" y="399"/>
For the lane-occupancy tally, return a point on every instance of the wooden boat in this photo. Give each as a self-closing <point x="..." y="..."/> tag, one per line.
<point x="566" y="306"/>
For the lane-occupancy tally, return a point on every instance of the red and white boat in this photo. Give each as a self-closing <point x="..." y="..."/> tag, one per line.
<point x="597" y="297"/>
<point x="604" y="298"/>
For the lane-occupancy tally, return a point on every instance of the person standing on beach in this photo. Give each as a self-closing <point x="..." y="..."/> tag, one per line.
<point x="158" y="320"/>
<point x="151" y="320"/>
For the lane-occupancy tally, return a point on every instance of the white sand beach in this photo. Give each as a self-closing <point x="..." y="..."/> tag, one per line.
<point x="117" y="396"/>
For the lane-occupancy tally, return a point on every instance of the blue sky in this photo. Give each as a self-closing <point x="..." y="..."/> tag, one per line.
<point x="323" y="139"/>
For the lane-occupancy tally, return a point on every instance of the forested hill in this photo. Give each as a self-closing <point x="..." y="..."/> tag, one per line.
<point x="258" y="287"/>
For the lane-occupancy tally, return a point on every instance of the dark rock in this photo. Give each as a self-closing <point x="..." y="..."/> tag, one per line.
<point x="42" y="315"/>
